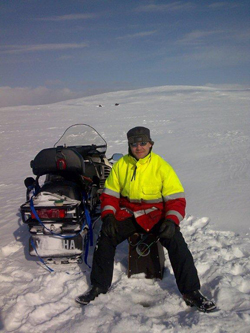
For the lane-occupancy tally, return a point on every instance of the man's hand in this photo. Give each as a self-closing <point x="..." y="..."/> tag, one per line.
<point x="167" y="229"/>
<point x="109" y="227"/>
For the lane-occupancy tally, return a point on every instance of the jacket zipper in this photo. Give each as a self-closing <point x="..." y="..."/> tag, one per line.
<point x="134" y="174"/>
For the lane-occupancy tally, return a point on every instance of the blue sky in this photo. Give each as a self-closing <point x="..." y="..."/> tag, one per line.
<point x="54" y="50"/>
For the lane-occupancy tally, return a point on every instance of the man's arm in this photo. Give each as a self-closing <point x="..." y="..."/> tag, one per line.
<point x="110" y="198"/>
<point x="173" y="195"/>
<point x="175" y="208"/>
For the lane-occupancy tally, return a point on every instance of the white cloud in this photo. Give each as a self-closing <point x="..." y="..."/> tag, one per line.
<point x="221" y="4"/>
<point x="40" y="47"/>
<point x="206" y="57"/>
<point x="34" y="96"/>
<point x="199" y="36"/>
<point x="69" y="17"/>
<point x="138" y="34"/>
<point x="174" y="6"/>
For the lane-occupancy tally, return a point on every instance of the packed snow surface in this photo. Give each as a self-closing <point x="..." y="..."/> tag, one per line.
<point x="204" y="133"/>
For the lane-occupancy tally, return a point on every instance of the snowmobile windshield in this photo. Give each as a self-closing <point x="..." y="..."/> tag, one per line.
<point x="82" y="135"/>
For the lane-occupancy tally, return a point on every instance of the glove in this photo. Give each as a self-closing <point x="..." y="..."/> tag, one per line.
<point x="167" y="229"/>
<point x="109" y="227"/>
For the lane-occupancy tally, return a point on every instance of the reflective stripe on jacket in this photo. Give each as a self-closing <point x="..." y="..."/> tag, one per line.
<point x="148" y="188"/>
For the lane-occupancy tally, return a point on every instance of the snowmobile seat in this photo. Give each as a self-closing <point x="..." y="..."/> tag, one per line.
<point x="67" y="188"/>
<point x="58" y="160"/>
<point x="146" y="255"/>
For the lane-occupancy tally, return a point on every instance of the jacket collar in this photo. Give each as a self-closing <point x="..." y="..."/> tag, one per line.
<point x="144" y="160"/>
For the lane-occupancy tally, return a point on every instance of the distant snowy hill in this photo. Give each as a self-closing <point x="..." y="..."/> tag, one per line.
<point x="203" y="132"/>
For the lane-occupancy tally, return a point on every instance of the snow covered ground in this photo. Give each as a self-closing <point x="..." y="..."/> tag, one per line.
<point x="204" y="132"/>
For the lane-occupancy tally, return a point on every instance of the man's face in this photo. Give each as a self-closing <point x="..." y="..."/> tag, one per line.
<point x="140" y="149"/>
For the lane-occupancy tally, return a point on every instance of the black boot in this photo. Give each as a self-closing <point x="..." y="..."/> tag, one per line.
<point x="196" y="299"/>
<point x="90" y="295"/>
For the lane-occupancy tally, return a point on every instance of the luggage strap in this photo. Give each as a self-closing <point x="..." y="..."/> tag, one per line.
<point x="89" y="235"/>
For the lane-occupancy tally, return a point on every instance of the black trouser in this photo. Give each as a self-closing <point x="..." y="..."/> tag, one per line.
<point x="180" y="257"/>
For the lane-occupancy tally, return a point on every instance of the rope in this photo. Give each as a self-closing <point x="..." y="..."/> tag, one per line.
<point x="50" y="231"/>
<point x="88" y="237"/>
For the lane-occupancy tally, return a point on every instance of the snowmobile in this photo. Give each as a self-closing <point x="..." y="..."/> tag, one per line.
<point x="62" y="212"/>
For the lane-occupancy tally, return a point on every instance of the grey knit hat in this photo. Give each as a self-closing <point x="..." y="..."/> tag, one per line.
<point x="139" y="134"/>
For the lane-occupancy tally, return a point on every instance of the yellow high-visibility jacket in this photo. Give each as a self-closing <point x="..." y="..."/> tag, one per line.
<point x="148" y="188"/>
